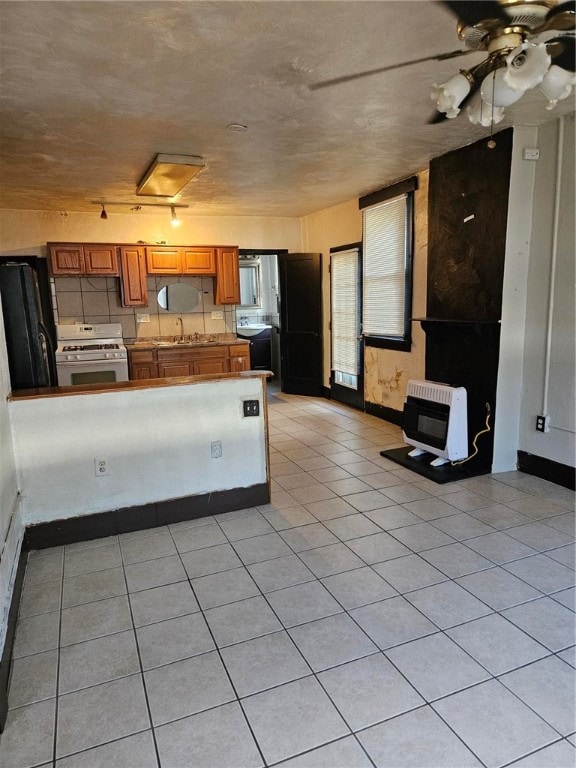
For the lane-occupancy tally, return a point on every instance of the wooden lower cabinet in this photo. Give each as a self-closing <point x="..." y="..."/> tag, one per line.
<point x="240" y="357"/>
<point x="190" y="361"/>
<point x="143" y="364"/>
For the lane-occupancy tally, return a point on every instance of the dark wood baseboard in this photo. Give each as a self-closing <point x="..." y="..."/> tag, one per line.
<point x="383" y="412"/>
<point x="421" y="464"/>
<point x="136" y="518"/>
<point x="10" y="632"/>
<point x="327" y="393"/>
<point x="561" y="474"/>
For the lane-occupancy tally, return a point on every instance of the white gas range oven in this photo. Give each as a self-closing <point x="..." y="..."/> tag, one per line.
<point x="90" y="354"/>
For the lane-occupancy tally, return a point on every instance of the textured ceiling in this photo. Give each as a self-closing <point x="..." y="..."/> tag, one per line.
<point x="92" y="91"/>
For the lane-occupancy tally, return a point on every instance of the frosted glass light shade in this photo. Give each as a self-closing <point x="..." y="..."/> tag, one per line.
<point x="450" y="94"/>
<point x="526" y="66"/>
<point x="484" y="114"/>
<point x="557" y="85"/>
<point x="495" y="88"/>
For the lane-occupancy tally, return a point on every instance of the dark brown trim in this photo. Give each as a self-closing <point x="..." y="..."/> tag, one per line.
<point x="383" y="412"/>
<point x="383" y="342"/>
<point x="561" y="474"/>
<point x="116" y="521"/>
<point x="387" y="193"/>
<point x="10" y="632"/>
<point x="349" y="247"/>
<point x="327" y="393"/>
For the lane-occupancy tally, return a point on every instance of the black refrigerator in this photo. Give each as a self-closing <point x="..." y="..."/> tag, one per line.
<point x="29" y="342"/>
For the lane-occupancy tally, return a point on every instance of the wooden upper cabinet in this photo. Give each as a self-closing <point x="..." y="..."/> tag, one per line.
<point x="133" y="288"/>
<point x="227" y="276"/>
<point x="100" y="260"/>
<point x="82" y="259"/>
<point x="198" y="261"/>
<point x="163" y="261"/>
<point x="66" y="259"/>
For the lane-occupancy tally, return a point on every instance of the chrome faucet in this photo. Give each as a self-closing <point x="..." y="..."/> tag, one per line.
<point x="181" y="327"/>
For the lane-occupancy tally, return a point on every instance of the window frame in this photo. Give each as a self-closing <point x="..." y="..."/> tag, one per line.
<point x="404" y="188"/>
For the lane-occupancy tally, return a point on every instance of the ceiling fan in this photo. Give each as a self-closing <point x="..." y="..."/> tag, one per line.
<point x="528" y="43"/>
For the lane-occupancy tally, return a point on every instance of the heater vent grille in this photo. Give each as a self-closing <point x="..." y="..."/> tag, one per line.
<point x="430" y="390"/>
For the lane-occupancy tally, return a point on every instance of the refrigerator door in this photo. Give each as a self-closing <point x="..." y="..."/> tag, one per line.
<point x="25" y="340"/>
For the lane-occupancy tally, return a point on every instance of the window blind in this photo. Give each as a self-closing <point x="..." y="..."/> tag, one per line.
<point x="384" y="286"/>
<point x="345" y="308"/>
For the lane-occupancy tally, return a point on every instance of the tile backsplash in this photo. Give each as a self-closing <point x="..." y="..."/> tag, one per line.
<point x="97" y="300"/>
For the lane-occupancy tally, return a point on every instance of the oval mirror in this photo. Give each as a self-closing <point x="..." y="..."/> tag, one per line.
<point x="179" y="297"/>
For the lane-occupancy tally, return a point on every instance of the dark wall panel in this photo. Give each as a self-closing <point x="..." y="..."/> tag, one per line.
<point x="468" y="210"/>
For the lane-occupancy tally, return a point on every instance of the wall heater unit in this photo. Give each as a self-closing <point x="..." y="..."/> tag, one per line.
<point x="435" y="421"/>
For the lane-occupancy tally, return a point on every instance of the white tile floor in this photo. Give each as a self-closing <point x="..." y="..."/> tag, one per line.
<point x="367" y="617"/>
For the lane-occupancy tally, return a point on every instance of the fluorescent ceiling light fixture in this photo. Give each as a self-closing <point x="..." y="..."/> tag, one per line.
<point x="168" y="174"/>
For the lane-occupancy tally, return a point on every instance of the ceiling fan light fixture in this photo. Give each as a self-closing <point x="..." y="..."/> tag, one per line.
<point x="168" y="174"/>
<point x="557" y="85"/>
<point x="495" y="91"/>
<point x="484" y="114"/>
<point x="450" y="94"/>
<point x="526" y="66"/>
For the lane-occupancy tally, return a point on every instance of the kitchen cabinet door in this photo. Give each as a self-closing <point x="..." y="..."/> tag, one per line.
<point x="239" y="357"/>
<point x="163" y="261"/>
<point x="133" y="288"/>
<point x="100" y="260"/>
<point x="181" y="368"/>
<point x="142" y="364"/>
<point x="211" y="365"/>
<point x="66" y="259"/>
<point x="143" y="371"/>
<point x="199" y="261"/>
<point x="227" y="276"/>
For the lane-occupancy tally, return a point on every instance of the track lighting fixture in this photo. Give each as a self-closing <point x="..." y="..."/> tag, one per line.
<point x="173" y="206"/>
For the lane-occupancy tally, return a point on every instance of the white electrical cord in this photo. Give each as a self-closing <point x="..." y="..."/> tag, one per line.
<point x="482" y="432"/>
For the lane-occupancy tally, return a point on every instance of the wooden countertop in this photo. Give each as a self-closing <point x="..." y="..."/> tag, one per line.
<point x="126" y="386"/>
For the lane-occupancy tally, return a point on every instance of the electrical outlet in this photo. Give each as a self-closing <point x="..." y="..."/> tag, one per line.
<point x="251" y="407"/>
<point x="542" y="423"/>
<point x="216" y="449"/>
<point x="531" y="153"/>
<point x="217" y="314"/>
<point x="101" y="466"/>
<point x="142" y="317"/>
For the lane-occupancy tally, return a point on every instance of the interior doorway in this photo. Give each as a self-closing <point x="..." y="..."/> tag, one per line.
<point x="301" y="323"/>
<point x="347" y="348"/>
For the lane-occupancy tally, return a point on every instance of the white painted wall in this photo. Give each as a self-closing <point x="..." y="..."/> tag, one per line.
<point x="156" y="442"/>
<point x="559" y="443"/>
<point x="506" y="420"/>
<point x="11" y="528"/>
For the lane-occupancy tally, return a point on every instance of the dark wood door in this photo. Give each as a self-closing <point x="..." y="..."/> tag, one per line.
<point x="301" y="322"/>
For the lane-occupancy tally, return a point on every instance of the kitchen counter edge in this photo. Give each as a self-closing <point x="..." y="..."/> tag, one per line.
<point x="120" y="386"/>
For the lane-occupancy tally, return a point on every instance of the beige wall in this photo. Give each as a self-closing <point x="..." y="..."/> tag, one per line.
<point x="27" y="232"/>
<point x="386" y="372"/>
<point x="96" y="299"/>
